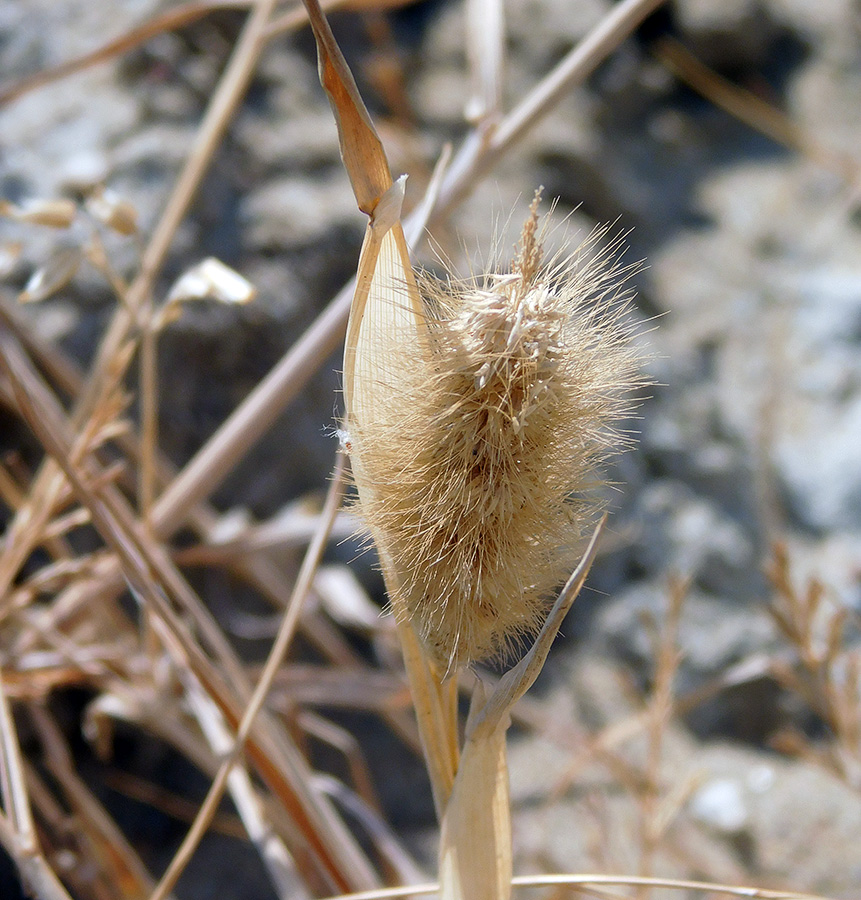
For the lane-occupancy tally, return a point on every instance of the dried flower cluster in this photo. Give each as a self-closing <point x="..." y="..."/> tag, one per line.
<point x="481" y="472"/>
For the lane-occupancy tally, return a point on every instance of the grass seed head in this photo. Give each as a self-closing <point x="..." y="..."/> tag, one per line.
<point x="482" y="471"/>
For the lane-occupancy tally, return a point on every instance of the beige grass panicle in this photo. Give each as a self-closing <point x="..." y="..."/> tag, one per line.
<point x="484" y="466"/>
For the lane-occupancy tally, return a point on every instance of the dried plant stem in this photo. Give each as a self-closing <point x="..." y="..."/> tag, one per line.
<point x="589" y="881"/>
<point x="273" y="663"/>
<point x="666" y="654"/>
<point x="148" y="392"/>
<point x="752" y="110"/>
<point x="279" y="763"/>
<point x="435" y="704"/>
<point x="481" y="151"/>
<point x="17" y="830"/>
<point x="16" y="803"/>
<point x="485" y="44"/>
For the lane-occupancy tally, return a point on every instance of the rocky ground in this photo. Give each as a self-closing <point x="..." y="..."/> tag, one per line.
<point x="750" y="294"/>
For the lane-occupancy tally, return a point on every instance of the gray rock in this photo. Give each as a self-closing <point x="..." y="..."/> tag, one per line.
<point x="821" y="469"/>
<point x="801" y="823"/>
<point x="712" y="633"/>
<point x="307" y="139"/>
<point x="830" y="25"/>
<point x="720" y="804"/>
<point x="687" y="534"/>
<point x="296" y="212"/>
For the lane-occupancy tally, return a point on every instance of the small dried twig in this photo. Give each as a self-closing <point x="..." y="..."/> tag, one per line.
<point x="171" y="20"/>
<point x="17" y="829"/>
<point x="666" y="653"/>
<point x="276" y="656"/>
<point x="336" y="852"/>
<point x="587" y="881"/>
<point x="99" y="836"/>
<point x="830" y="677"/>
<point x="282" y="869"/>
<point x="755" y="112"/>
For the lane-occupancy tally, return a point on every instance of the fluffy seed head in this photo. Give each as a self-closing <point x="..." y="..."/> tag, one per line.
<point x="479" y="477"/>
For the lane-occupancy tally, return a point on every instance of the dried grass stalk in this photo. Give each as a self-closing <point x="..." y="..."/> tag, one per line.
<point x="476" y="412"/>
<point x="384" y="278"/>
<point x="475" y="859"/>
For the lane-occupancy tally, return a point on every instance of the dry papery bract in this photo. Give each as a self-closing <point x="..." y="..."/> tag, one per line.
<point x="484" y="466"/>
